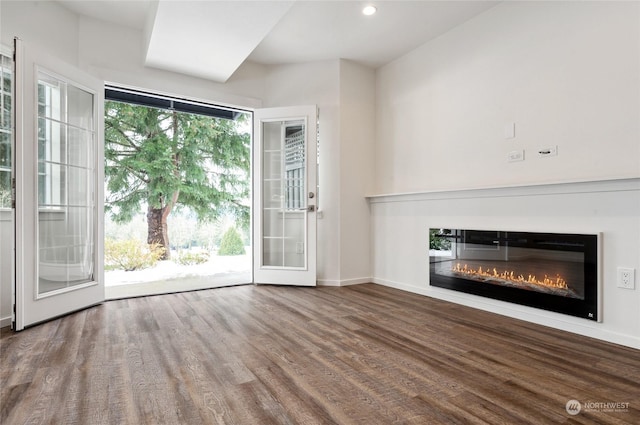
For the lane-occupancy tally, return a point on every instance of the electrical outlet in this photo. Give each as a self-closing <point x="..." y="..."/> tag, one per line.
<point x="548" y="151"/>
<point x="626" y="278"/>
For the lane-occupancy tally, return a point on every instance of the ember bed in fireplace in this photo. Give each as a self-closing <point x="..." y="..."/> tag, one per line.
<point x="551" y="271"/>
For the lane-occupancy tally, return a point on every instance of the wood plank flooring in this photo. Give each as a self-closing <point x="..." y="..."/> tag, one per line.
<point x="363" y="354"/>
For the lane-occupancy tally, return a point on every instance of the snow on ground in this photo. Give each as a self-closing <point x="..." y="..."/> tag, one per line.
<point x="169" y="270"/>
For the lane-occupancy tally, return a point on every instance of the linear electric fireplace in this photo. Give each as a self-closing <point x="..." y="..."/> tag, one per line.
<point x="551" y="271"/>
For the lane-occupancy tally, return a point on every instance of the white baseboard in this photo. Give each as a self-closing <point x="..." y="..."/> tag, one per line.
<point x="5" y="321"/>
<point x="344" y="282"/>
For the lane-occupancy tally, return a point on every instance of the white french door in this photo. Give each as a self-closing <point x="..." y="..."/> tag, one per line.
<point x="285" y="195"/>
<point x="59" y="187"/>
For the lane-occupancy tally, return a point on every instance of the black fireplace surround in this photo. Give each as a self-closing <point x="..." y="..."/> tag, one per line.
<point x="551" y="271"/>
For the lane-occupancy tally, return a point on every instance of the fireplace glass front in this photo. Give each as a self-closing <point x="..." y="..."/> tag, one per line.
<point x="551" y="271"/>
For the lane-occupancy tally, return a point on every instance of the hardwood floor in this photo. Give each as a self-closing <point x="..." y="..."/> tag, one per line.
<point x="363" y="354"/>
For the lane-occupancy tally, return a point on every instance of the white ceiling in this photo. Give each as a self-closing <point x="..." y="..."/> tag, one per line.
<point x="212" y="38"/>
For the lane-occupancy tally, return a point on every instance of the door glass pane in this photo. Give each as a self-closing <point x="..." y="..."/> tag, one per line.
<point x="272" y="252"/>
<point x="295" y="223"/>
<point x="6" y="163"/>
<point x="66" y="178"/>
<point x="284" y="197"/>
<point x="294" y="148"/>
<point x="80" y="147"/>
<point x="79" y="108"/>
<point x="52" y="140"/>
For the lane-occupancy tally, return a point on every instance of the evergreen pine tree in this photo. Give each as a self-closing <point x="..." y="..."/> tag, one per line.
<point x="165" y="159"/>
<point x="231" y="243"/>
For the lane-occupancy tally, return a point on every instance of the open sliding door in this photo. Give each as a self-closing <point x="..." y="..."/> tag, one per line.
<point x="284" y="187"/>
<point x="59" y="188"/>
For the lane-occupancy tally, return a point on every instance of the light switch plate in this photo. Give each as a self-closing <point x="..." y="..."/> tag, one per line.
<point x="510" y="130"/>
<point x="515" y="156"/>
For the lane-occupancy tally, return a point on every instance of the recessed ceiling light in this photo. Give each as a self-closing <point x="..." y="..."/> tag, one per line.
<point x="369" y="10"/>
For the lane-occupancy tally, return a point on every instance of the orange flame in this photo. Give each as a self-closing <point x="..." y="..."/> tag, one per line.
<point x="558" y="282"/>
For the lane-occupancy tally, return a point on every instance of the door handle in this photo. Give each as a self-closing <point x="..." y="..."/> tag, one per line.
<point x="309" y="208"/>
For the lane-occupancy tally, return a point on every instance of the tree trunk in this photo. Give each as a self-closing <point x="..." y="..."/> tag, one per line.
<point x="157" y="230"/>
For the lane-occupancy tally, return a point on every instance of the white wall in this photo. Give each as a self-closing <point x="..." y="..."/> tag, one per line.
<point x="52" y="26"/>
<point x="567" y="74"/>
<point x="357" y="136"/>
